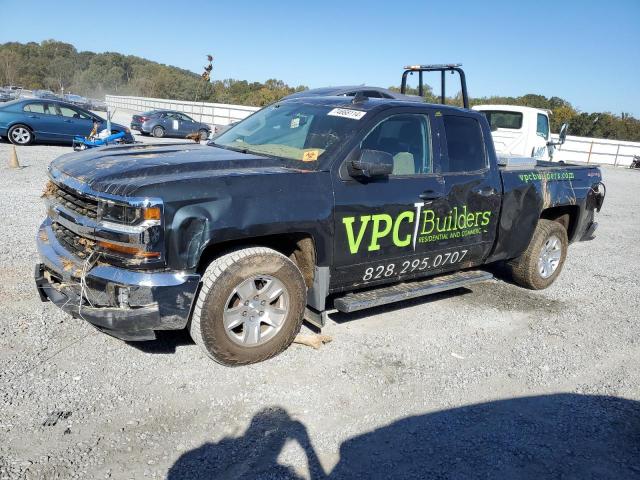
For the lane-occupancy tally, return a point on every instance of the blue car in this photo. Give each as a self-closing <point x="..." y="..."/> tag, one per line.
<point x="30" y="120"/>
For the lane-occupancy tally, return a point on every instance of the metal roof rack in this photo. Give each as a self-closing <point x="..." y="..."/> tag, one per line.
<point x="442" y="68"/>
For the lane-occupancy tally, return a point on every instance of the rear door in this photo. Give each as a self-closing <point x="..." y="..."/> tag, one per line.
<point x="472" y="187"/>
<point x="171" y="123"/>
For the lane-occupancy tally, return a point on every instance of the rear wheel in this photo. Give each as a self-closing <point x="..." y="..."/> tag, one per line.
<point x="20" y="135"/>
<point x="158" y="131"/>
<point x="542" y="261"/>
<point x="250" y="306"/>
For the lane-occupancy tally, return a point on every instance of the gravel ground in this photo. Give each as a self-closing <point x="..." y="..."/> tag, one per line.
<point x="491" y="382"/>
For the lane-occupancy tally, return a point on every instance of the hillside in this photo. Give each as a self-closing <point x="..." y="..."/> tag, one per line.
<point x="56" y="65"/>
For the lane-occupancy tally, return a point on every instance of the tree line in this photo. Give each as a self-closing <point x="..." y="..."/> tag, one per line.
<point x="59" y="67"/>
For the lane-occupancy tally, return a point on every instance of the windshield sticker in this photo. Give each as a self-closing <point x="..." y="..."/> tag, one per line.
<point x="310" y="155"/>
<point x="346" y="113"/>
<point x="295" y="122"/>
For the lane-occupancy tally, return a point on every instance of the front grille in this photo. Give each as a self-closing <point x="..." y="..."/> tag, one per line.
<point x="74" y="201"/>
<point x="74" y="243"/>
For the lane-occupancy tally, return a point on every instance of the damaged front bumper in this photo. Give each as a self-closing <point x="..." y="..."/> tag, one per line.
<point x="127" y="304"/>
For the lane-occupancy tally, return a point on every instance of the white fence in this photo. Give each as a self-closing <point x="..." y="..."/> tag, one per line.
<point x="210" y="113"/>
<point x="596" y="150"/>
<point x="575" y="149"/>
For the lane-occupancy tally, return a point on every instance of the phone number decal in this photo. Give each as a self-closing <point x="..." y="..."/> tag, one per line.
<point x="416" y="265"/>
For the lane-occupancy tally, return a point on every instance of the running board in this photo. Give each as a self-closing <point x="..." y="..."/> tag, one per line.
<point x="353" y="302"/>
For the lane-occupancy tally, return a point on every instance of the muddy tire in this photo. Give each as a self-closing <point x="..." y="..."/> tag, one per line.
<point x="250" y="306"/>
<point x="542" y="261"/>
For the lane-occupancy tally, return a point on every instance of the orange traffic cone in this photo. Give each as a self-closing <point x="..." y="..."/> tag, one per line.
<point x="13" y="158"/>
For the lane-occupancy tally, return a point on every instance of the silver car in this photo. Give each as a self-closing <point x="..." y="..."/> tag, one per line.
<point x="168" y="123"/>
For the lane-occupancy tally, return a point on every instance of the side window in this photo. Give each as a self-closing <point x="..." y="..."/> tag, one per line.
<point x="185" y="118"/>
<point x="465" y="144"/>
<point x="407" y="137"/>
<point x="542" y="127"/>
<point x="73" y="113"/>
<point x="34" y="108"/>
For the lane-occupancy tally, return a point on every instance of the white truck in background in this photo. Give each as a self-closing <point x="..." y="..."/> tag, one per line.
<point x="521" y="131"/>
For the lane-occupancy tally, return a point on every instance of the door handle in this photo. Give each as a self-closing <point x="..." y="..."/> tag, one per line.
<point x="429" y="195"/>
<point x="485" y="191"/>
<point x="33" y="116"/>
<point x="68" y="121"/>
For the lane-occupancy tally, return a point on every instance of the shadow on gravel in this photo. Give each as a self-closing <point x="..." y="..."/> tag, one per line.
<point x="554" y="436"/>
<point x="167" y="341"/>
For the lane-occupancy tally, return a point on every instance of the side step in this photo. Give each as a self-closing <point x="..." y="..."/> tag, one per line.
<point x="353" y="302"/>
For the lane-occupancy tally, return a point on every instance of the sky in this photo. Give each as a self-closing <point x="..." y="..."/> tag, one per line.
<point x="587" y="52"/>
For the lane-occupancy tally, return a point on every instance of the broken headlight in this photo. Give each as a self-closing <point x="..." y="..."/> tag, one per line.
<point x="109" y="211"/>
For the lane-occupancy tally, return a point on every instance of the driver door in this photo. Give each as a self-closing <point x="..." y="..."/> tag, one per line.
<point x="379" y="222"/>
<point x="74" y="122"/>
<point x="187" y="125"/>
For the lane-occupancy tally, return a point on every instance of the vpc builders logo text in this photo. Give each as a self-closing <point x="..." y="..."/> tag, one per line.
<point x="427" y="227"/>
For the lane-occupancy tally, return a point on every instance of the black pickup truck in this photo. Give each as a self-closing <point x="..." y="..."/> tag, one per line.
<point x="307" y="205"/>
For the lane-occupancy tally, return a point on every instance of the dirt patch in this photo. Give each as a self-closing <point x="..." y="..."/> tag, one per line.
<point x="508" y="297"/>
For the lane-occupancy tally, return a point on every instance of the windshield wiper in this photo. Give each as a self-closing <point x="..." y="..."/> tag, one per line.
<point x="211" y="143"/>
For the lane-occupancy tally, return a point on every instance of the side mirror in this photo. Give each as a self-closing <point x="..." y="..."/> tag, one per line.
<point x="562" y="136"/>
<point x="563" y="133"/>
<point x="371" y="163"/>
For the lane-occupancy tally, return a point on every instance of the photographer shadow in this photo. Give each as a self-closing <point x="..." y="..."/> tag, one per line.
<point x="565" y="436"/>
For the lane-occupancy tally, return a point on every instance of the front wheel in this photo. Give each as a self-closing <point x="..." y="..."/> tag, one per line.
<point x="250" y="306"/>
<point x="542" y="261"/>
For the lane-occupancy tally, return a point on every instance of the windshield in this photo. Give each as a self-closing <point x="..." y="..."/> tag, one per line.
<point x="294" y="131"/>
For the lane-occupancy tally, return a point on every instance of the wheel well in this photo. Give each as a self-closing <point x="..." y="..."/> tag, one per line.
<point x="25" y="126"/>
<point x="298" y="247"/>
<point x="566" y="215"/>
<point x="21" y="125"/>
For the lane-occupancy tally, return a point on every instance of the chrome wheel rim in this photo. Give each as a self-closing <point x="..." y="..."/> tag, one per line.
<point x="20" y="135"/>
<point x="550" y="255"/>
<point x="158" y="132"/>
<point x="256" y="310"/>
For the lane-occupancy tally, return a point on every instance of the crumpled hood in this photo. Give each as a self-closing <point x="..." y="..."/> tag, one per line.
<point x="123" y="170"/>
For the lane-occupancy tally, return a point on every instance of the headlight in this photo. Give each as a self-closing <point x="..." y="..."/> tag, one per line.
<point x="126" y="214"/>
<point x="131" y="232"/>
